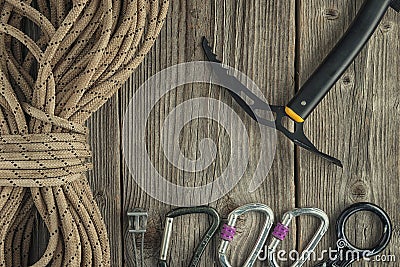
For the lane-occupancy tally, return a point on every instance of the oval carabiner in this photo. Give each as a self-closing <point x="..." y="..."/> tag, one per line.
<point x="228" y="231"/>
<point x="216" y="220"/>
<point x="282" y="229"/>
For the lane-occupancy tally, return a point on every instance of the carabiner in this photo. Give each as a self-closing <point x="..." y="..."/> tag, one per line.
<point x="229" y="230"/>
<point x="216" y="220"/>
<point x="282" y="229"/>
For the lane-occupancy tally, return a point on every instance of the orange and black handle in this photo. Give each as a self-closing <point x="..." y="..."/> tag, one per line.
<point x="319" y="83"/>
<point x="339" y="59"/>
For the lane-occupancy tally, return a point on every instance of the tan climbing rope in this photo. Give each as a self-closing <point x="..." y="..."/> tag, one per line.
<point x="75" y="55"/>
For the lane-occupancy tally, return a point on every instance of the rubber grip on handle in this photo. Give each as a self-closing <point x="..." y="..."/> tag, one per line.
<point x="339" y="59"/>
<point x="395" y="5"/>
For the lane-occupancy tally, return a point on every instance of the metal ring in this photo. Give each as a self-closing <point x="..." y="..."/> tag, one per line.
<point x="365" y="206"/>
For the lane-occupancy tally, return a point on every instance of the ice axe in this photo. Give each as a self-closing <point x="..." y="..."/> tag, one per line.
<point x="319" y="83"/>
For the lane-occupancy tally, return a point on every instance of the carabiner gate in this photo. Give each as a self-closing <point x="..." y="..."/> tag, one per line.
<point x="216" y="220"/>
<point x="229" y="230"/>
<point x="282" y="229"/>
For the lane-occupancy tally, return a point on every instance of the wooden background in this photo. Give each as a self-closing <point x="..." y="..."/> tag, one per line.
<point x="277" y="44"/>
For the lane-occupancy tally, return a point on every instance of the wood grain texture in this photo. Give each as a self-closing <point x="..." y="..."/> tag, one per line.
<point x="356" y="123"/>
<point x="105" y="179"/>
<point x="241" y="32"/>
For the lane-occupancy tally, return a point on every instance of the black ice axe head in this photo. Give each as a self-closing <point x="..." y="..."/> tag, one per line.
<point x="319" y="83"/>
<point x="298" y="136"/>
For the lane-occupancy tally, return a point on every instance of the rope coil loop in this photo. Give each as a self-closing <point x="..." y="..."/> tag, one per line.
<point x="43" y="159"/>
<point x="47" y="159"/>
<point x="60" y="61"/>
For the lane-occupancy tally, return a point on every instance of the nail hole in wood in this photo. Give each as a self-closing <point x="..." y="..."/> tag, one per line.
<point x="347" y="80"/>
<point x="331" y="14"/>
<point x="386" y="27"/>
<point x="358" y="191"/>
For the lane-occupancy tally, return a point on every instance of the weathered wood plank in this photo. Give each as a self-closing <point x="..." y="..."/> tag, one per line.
<point x="258" y="39"/>
<point x="263" y="49"/>
<point x="356" y="123"/>
<point x="365" y="96"/>
<point x="106" y="175"/>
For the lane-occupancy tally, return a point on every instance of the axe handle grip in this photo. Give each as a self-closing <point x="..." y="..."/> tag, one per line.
<point x="339" y="59"/>
<point x="396" y="5"/>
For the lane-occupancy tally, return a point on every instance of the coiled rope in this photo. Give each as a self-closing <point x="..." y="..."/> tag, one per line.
<point x="50" y="83"/>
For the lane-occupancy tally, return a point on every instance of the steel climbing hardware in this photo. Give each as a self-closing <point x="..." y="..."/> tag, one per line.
<point x="318" y="85"/>
<point x="138" y="225"/>
<point x="216" y="220"/>
<point x="348" y="253"/>
<point x="281" y="230"/>
<point x="229" y="230"/>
